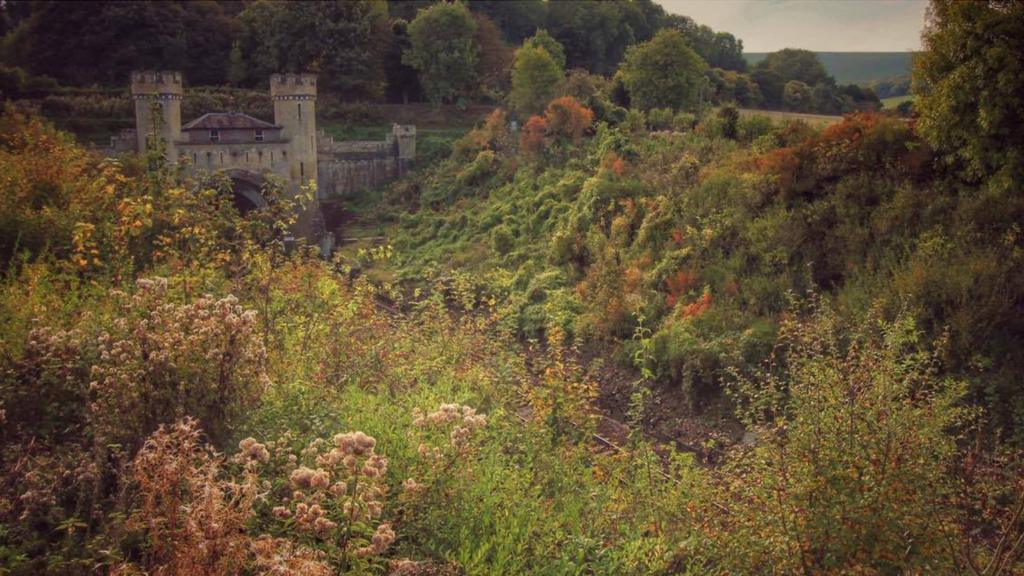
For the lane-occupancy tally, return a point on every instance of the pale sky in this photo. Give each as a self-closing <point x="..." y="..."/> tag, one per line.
<point x="819" y="25"/>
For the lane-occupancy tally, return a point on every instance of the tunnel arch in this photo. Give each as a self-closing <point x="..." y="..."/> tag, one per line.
<point x="247" y="188"/>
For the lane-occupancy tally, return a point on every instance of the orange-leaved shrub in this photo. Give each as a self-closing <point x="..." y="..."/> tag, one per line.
<point x="491" y="135"/>
<point x="568" y="118"/>
<point x="862" y="141"/>
<point x="698" y="306"/>
<point x="679" y="283"/>
<point x="55" y="196"/>
<point x="532" y="138"/>
<point x="614" y="163"/>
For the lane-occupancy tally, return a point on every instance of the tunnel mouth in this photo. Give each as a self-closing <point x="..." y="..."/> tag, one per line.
<point x="247" y="192"/>
<point x="244" y="196"/>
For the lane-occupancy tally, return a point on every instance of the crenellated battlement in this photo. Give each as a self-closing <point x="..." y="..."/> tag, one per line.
<point x="292" y="86"/>
<point x="163" y="84"/>
<point x="248" y="149"/>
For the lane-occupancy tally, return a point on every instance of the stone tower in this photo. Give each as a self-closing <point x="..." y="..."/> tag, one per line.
<point x="405" y="136"/>
<point x="157" y="97"/>
<point x="294" y="97"/>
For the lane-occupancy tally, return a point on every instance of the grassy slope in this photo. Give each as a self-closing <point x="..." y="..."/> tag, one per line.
<point x="895" y="101"/>
<point x="856" y="67"/>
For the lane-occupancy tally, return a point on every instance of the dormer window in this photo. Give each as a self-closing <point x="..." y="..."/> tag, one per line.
<point x="214" y="135"/>
<point x="259" y="135"/>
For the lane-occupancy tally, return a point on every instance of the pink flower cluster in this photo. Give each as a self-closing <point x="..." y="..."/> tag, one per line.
<point x="463" y="421"/>
<point x="344" y="485"/>
<point x="253" y="451"/>
<point x="379" y="542"/>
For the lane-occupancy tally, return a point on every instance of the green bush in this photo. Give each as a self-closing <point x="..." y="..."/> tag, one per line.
<point x="482" y="167"/>
<point x="635" y="122"/>
<point x="752" y="127"/>
<point x="684" y="122"/>
<point x="660" y="118"/>
<point x="729" y="117"/>
<point x="502" y="240"/>
<point x="857" y="434"/>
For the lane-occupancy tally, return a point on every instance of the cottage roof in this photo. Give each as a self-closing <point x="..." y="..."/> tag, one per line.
<point x="227" y="121"/>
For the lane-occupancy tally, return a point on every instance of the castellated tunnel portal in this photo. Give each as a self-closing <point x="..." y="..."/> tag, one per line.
<point x="290" y="148"/>
<point x="248" y="190"/>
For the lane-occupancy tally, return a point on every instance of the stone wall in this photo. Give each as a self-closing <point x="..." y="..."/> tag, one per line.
<point x="354" y="165"/>
<point x="258" y="158"/>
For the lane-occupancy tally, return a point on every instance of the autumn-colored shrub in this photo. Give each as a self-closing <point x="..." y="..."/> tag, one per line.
<point x="678" y="284"/>
<point x="614" y="163"/>
<point x="862" y="141"/>
<point x="533" y="137"/>
<point x="697" y="307"/>
<point x="195" y="520"/>
<point x="568" y="118"/>
<point x="491" y="135"/>
<point x="562" y="400"/>
<point x="52" y="191"/>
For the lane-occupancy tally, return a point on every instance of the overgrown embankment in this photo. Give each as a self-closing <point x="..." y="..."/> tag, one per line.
<point x="178" y="395"/>
<point x="682" y="248"/>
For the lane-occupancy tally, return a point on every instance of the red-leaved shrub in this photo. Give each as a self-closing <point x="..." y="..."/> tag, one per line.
<point x="567" y="117"/>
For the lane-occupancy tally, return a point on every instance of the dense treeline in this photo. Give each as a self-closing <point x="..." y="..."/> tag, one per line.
<point x="367" y="50"/>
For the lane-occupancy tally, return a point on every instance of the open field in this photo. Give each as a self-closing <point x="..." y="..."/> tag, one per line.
<point x="812" y="119"/>
<point x="896" y="100"/>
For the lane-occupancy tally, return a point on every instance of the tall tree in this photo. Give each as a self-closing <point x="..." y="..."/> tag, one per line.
<point x="403" y="84"/>
<point x="101" y="42"/>
<point x="595" y="35"/>
<point x="970" y="86"/>
<point x="546" y="41"/>
<point x="796" y="64"/>
<point x="536" y="79"/>
<point x="443" y="50"/>
<point x="797" y="96"/>
<point x="663" y="72"/>
<point x="89" y="42"/>
<point x="495" y="58"/>
<point x="344" y="41"/>
<point x="771" y="85"/>
<point x="718" y="49"/>
<point x="407" y="9"/>
<point x="517" y="20"/>
<point x="236" y="66"/>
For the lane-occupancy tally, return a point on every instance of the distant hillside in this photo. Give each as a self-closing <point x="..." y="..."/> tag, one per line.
<point x="856" y="67"/>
